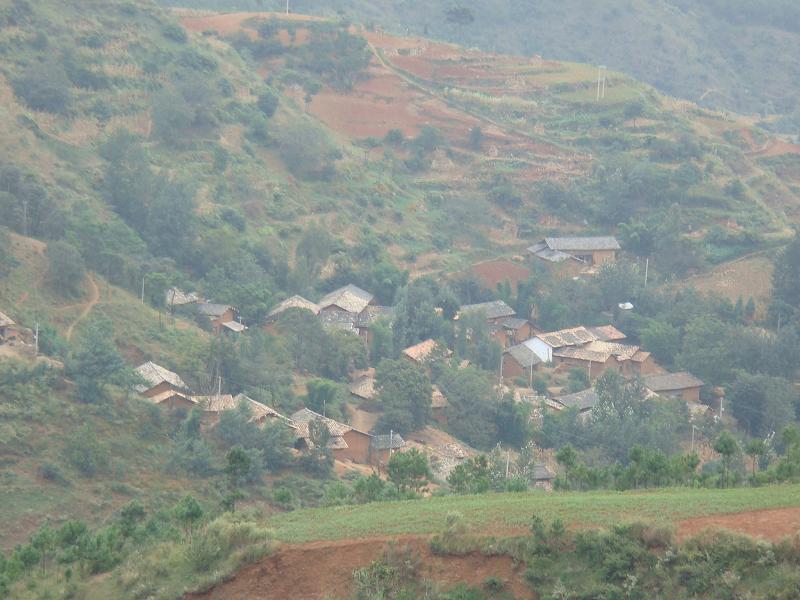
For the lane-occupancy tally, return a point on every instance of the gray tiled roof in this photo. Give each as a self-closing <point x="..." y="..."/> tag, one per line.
<point x="542" y="473"/>
<point x="350" y="298"/>
<point x="493" y="310"/>
<point x="212" y="310"/>
<point x="584" y="400"/>
<point x="387" y="442"/>
<point x="570" y="244"/>
<point x="293" y="302"/>
<point x="155" y="374"/>
<point x="524" y="355"/>
<point x="672" y="381"/>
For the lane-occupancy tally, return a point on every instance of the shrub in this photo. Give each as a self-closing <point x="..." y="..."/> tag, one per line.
<point x="85" y="453"/>
<point x="44" y="87"/>
<point x="174" y="32"/>
<point x="52" y="472"/>
<point x="267" y="103"/>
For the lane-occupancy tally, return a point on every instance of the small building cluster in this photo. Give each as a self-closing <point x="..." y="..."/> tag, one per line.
<point x="166" y="388"/>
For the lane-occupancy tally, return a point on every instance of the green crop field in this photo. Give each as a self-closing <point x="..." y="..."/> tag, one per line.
<point x="505" y="512"/>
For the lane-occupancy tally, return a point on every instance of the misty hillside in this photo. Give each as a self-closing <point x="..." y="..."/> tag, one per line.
<point x="734" y="55"/>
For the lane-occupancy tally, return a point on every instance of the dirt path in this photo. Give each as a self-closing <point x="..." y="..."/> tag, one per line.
<point x="321" y="570"/>
<point x="94" y="298"/>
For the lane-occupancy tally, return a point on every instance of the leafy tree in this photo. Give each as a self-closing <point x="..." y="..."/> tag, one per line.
<point x="84" y="452"/>
<point x="368" y="489"/>
<point x="319" y="461"/>
<point x="755" y="449"/>
<point x="172" y="116"/>
<point x="459" y="15"/>
<point x="66" y="271"/>
<point x="578" y="380"/>
<point x="188" y="512"/>
<point x="307" y="150"/>
<point x="728" y="447"/>
<point x="513" y="422"/>
<point x="786" y="275"/>
<point x="476" y="138"/>
<point x="567" y="457"/>
<point x="276" y="446"/>
<point x="471" y="476"/>
<point x="130" y="516"/>
<point x="267" y="103"/>
<point x="238" y="464"/>
<point x="662" y="339"/>
<point x="633" y="110"/>
<point x="324" y="397"/>
<point x="762" y="403"/>
<point x="44" y="541"/>
<point x="474" y="406"/>
<point x="404" y="392"/>
<point x="96" y="362"/>
<point x="416" y="318"/>
<point x="409" y="470"/>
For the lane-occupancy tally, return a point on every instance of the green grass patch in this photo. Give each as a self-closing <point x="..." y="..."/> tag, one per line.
<point x="496" y="513"/>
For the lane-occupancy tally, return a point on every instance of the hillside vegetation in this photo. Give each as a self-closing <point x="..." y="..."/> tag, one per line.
<point x="253" y="156"/>
<point x="728" y="55"/>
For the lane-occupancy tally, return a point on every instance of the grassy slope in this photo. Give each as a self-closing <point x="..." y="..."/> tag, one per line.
<point x="499" y="513"/>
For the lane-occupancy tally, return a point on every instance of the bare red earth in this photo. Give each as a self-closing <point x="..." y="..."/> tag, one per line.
<point x="492" y="272"/>
<point x="325" y="570"/>
<point x="771" y="524"/>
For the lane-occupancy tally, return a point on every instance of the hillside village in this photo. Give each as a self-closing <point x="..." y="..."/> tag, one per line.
<point x="526" y="352"/>
<point x="311" y="307"/>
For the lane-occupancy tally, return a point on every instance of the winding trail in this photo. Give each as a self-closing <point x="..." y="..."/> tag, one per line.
<point x="94" y="298"/>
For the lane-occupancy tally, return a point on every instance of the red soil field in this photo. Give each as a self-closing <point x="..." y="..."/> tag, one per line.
<point x="771" y="524"/>
<point x="325" y="569"/>
<point x="497" y="271"/>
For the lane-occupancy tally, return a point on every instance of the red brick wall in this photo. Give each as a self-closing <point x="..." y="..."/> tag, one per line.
<point x="357" y="450"/>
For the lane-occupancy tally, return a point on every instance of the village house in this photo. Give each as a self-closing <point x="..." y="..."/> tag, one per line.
<point x="214" y="405"/>
<point x="292" y="302"/>
<point x="163" y="387"/>
<point x="512" y="331"/>
<point x="9" y="330"/>
<point x="346" y="442"/>
<point x="349" y="299"/>
<point x="439" y="406"/>
<point x="544" y="344"/>
<point x="368" y="317"/>
<point x="599" y="356"/>
<point x="363" y="389"/>
<point x="177" y="297"/>
<point x="382" y="446"/>
<point x="222" y="317"/>
<point x="519" y="361"/>
<point x="583" y="401"/>
<point x="542" y="477"/>
<point x="583" y="251"/>
<point x="495" y="312"/>
<point x="682" y="385"/>
<point x="425" y="352"/>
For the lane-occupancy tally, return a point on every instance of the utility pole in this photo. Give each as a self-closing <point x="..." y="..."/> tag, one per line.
<point x="391" y="441"/>
<point x="36" y="340"/>
<point x="143" y="276"/>
<point x="287" y="7"/>
<point x="646" y="269"/>
<point x="508" y="461"/>
<point x="25" y="217"/>
<point x="601" y="82"/>
<point x="219" y="386"/>
<point x="693" y="428"/>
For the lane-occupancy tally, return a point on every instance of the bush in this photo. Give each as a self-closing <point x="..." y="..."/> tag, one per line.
<point x="52" y="472"/>
<point x="66" y="271"/>
<point x="44" y="87"/>
<point x="174" y="32"/>
<point x="268" y="103"/>
<point x="85" y="453"/>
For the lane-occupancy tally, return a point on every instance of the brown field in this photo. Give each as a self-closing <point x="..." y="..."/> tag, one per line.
<point x="747" y="277"/>
<point x="492" y="272"/>
<point x="285" y="574"/>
